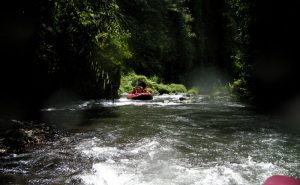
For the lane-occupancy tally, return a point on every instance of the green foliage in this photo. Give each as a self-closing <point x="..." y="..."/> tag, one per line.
<point x="161" y="38"/>
<point x="177" y="88"/>
<point x="130" y="80"/>
<point x="82" y="45"/>
<point x="239" y="18"/>
<point x="193" y="91"/>
<point x="238" y="88"/>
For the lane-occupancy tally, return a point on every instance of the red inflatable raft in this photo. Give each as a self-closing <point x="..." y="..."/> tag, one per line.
<point x="140" y="96"/>
<point x="281" y="180"/>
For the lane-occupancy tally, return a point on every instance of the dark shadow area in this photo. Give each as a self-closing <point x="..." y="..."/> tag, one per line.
<point x="275" y="53"/>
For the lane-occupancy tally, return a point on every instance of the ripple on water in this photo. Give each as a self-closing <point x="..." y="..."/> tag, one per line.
<point x="172" y="143"/>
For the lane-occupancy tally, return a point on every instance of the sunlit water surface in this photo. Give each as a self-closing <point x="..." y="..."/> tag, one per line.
<point x="159" y="142"/>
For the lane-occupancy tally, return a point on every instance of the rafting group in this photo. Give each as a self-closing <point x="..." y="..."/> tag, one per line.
<point x="139" y="92"/>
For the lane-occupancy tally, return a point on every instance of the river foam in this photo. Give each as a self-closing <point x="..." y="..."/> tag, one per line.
<point x="155" y="161"/>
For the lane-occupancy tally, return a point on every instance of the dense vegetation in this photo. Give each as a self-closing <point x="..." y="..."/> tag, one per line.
<point x="80" y="48"/>
<point x="59" y="49"/>
<point x="153" y="85"/>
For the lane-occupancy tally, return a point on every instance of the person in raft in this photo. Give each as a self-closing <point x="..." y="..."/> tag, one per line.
<point x="140" y="88"/>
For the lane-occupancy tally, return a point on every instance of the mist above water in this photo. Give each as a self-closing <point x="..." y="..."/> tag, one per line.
<point x="207" y="79"/>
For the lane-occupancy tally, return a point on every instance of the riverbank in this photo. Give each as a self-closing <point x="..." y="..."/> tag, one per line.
<point x="20" y="136"/>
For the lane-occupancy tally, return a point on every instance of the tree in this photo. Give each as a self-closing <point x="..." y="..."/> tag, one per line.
<point x="75" y="45"/>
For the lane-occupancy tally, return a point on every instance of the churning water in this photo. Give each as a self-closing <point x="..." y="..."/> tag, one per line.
<point x="158" y="142"/>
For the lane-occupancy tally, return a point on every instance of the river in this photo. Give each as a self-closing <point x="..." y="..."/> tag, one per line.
<point x="160" y="142"/>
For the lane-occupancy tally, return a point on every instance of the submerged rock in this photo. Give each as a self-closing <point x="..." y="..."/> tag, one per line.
<point x="182" y="98"/>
